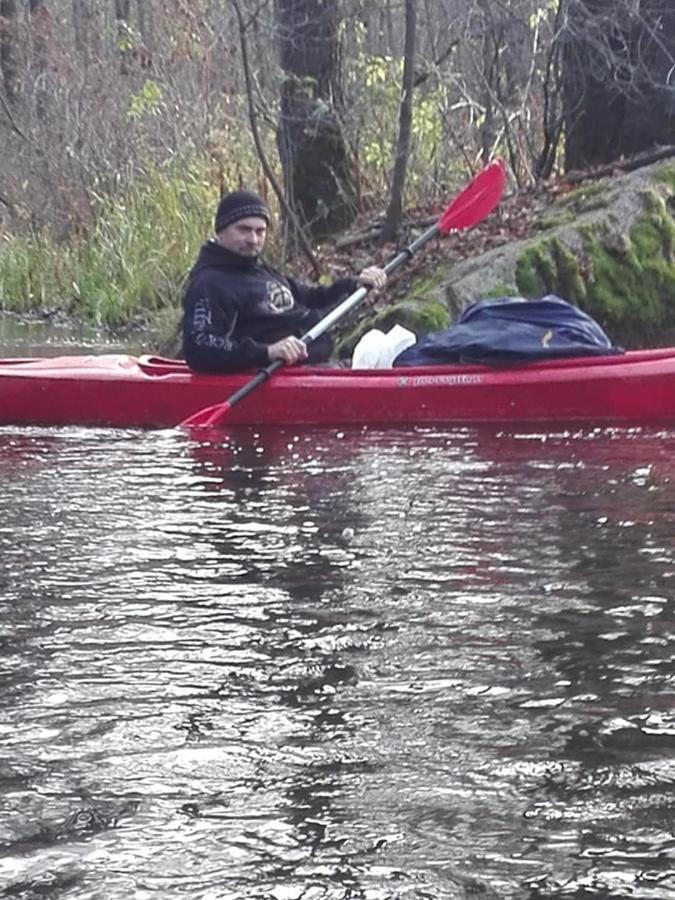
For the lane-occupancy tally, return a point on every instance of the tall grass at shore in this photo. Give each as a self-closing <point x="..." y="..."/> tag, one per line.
<point x="127" y="266"/>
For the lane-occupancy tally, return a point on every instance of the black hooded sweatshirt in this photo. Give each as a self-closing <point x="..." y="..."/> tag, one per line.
<point x="235" y="306"/>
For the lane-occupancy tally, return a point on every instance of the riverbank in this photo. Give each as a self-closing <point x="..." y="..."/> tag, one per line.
<point x="126" y="268"/>
<point x="606" y="246"/>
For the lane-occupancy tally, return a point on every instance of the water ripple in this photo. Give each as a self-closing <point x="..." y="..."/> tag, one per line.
<point x="377" y="664"/>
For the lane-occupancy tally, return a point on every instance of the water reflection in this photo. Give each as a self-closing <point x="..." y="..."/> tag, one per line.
<point x="611" y="638"/>
<point x="25" y="338"/>
<point x="325" y="664"/>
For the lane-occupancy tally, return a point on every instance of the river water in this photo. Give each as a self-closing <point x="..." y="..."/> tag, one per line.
<point x="434" y="663"/>
<point x="42" y="337"/>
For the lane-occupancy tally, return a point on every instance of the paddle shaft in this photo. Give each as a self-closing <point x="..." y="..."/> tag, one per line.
<point x="332" y="317"/>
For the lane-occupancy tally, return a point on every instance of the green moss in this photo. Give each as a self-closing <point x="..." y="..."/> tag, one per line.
<point x="530" y="279"/>
<point x="632" y="293"/>
<point x="586" y="198"/>
<point x="549" y="267"/>
<point x="420" y="317"/>
<point x="421" y="312"/>
<point x="499" y="290"/>
<point x="655" y="232"/>
<point x="625" y="281"/>
<point x="568" y="273"/>
<point x="588" y="191"/>
<point x="666" y="175"/>
<point x="427" y="285"/>
<point x="549" y="222"/>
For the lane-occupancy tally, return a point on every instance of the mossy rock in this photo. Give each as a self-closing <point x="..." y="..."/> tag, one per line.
<point x="586" y="198"/>
<point x="616" y="260"/>
<point x="625" y="281"/>
<point x="555" y="220"/>
<point x="497" y="291"/>
<point x="420" y="316"/>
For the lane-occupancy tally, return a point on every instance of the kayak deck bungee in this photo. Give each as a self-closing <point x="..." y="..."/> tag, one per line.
<point x="124" y="391"/>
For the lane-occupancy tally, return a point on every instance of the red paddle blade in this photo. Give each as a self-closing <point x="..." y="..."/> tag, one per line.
<point x="210" y="417"/>
<point x="477" y="200"/>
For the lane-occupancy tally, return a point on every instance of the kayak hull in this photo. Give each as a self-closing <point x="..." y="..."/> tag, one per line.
<point x="125" y="391"/>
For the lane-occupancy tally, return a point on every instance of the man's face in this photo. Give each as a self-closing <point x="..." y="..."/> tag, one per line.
<point x="245" y="237"/>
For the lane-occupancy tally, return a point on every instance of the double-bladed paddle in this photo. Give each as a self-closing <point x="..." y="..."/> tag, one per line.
<point x="475" y="202"/>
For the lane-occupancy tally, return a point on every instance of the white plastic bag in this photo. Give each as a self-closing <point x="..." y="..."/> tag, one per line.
<point x="369" y="349"/>
<point x="377" y="350"/>
<point x="398" y="339"/>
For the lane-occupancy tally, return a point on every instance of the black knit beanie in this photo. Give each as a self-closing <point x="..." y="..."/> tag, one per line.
<point x="239" y="205"/>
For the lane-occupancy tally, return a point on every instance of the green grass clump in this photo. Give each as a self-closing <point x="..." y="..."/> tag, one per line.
<point x="131" y="261"/>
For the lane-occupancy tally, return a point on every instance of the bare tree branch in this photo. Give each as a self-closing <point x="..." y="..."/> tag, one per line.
<point x="12" y="121"/>
<point x="421" y="77"/>
<point x="621" y="165"/>
<point x="393" y="215"/>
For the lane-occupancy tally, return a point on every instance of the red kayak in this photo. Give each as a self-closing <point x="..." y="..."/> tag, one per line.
<point x="123" y="391"/>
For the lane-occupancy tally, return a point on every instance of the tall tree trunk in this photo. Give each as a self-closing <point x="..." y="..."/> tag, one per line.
<point x="552" y="113"/>
<point x="619" y="94"/>
<point x="393" y="216"/>
<point x="145" y="22"/>
<point x="80" y="18"/>
<point x="318" y="176"/>
<point x="39" y="24"/>
<point x="9" y="64"/>
<point x="255" y="133"/>
<point x="122" y="13"/>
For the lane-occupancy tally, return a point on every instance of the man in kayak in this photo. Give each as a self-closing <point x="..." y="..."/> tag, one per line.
<point x="239" y="312"/>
